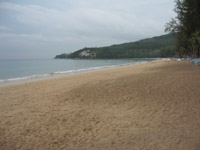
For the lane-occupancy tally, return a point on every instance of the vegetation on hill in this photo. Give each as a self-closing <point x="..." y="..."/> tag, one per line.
<point x="186" y="27"/>
<point x="161" y="46"/>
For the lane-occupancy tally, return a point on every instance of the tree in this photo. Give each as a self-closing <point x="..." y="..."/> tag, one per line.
<point x="195" y="43"/>
<point x="186" y="27"/>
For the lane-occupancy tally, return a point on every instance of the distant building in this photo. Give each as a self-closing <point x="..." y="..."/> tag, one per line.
<point x="88" y="54"/>
<point x="85" y="53"/>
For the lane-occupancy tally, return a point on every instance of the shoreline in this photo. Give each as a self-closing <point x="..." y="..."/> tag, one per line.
<point x="38" y="77"/>
<point x="150" y="106"/>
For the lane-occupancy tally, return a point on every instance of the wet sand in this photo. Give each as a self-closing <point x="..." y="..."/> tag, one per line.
<point x="153" y="106"/>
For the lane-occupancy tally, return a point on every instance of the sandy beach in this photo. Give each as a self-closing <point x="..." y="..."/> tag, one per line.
<point x="152" y="106"/>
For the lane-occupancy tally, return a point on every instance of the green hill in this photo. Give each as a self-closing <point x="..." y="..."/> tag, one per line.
<point x="160" y="46"/>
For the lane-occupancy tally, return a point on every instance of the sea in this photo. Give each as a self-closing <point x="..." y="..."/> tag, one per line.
<point x="21" y="70"/>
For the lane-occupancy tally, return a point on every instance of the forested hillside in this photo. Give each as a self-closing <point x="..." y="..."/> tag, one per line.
<point x="161" y="46"/>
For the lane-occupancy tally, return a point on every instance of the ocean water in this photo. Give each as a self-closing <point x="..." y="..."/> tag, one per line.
<point x="19" y="70"/>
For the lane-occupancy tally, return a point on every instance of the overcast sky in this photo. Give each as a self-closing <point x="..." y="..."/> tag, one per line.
<point x="44" y="28"/>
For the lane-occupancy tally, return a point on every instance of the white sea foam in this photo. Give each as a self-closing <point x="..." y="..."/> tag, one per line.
<point x="2" y="81"/>
<point x="39" y="76"/>
<point x="57" y="73"/>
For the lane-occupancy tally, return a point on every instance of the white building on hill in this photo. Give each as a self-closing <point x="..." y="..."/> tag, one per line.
<point x="85" y="53"/>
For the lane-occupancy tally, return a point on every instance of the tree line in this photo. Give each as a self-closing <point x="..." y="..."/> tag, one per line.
<point x="186" y="27"/>
<point x="161" y="46"/>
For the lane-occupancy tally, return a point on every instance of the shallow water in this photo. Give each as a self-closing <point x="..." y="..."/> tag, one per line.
<point x="15" y="70"/>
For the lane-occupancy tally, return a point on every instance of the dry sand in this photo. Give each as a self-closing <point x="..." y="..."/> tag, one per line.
<point x="154" y="106"/>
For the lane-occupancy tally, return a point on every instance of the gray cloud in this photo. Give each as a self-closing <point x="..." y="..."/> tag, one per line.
<point x="82" y="23"/>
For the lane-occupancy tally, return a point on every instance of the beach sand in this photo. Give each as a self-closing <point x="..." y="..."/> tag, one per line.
<point x="153" y="106"/>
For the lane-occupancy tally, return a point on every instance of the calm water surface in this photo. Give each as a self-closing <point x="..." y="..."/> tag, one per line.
<point x="11" y="70"/>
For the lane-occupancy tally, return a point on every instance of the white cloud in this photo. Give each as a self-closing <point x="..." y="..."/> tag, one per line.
<point x="92" y="22"/>
<point x="3" y="28"/>
<point x="87" y="21"/>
